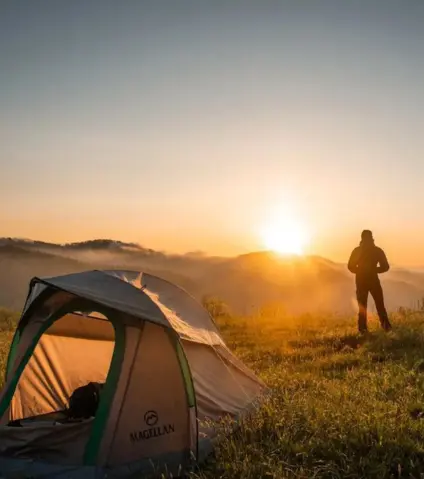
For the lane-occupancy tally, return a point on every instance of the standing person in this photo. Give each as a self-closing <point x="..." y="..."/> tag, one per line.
<point x="367" y="261"/>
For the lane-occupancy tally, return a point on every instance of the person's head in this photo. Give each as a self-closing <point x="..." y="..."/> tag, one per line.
<point x="367" y="237"/>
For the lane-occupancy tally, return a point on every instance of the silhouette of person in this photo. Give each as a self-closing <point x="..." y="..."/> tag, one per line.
<point x="367" y="261"/>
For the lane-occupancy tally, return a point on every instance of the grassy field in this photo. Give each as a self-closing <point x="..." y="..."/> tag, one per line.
<point x="341" y="406"/>
<point x="8" y="322"/>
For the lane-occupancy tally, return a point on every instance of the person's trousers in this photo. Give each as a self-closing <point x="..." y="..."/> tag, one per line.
<point x="363" y="289"/>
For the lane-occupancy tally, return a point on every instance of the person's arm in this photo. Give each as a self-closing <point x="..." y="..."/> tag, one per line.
<point x="353" y="261"/>
<point x="383" y="264"/>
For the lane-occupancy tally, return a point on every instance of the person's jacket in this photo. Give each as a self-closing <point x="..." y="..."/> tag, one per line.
<point x="368" y="260"/>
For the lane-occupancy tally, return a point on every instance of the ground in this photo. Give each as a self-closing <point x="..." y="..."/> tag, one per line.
<point x="340" y="406"/>
<point x="8" y="321"/>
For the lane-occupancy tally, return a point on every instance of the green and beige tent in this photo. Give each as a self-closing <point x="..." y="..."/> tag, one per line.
<point x="167" y="379"/>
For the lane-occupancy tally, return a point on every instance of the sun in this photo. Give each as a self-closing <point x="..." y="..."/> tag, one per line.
<point x="283" y="234"/>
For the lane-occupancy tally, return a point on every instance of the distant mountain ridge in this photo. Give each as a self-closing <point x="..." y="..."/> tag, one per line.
<point x="246" y="282"/>
<point x="100" y="244"/>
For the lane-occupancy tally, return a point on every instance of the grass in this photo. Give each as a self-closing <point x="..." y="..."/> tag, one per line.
<point x="8" y="322"/>
<point x="341" y="405"/>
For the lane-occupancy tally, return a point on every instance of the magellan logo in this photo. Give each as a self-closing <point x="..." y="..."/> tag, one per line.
<point x="151" y="418"/>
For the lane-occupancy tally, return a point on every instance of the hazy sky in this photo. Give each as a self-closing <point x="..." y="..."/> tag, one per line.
<point x="183" y="125"/>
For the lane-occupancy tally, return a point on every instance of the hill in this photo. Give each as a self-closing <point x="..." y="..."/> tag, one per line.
<point x="246" y="283"/>
<point x="340" y="405"/>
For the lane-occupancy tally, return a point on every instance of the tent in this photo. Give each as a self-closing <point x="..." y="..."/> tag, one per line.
<point x="168" y="379"/>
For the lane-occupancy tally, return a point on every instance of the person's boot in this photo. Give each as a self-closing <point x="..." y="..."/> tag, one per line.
<point x="385" y="323"/>
<point x="362" y="324"/>
<point x="387" y="326"/>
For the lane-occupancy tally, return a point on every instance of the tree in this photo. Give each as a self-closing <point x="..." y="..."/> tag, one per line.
<point x="216" y="307"/>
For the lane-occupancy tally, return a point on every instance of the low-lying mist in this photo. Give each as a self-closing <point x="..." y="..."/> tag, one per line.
<point x="246" y="283"/>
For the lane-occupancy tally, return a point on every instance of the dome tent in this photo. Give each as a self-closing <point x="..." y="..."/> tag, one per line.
<point x="168" y="377"/>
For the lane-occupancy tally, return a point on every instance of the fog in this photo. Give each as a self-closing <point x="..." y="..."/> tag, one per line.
<point x="246" y="283"/>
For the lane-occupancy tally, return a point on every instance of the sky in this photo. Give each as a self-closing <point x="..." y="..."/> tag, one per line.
<point x="191" y="125"/>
